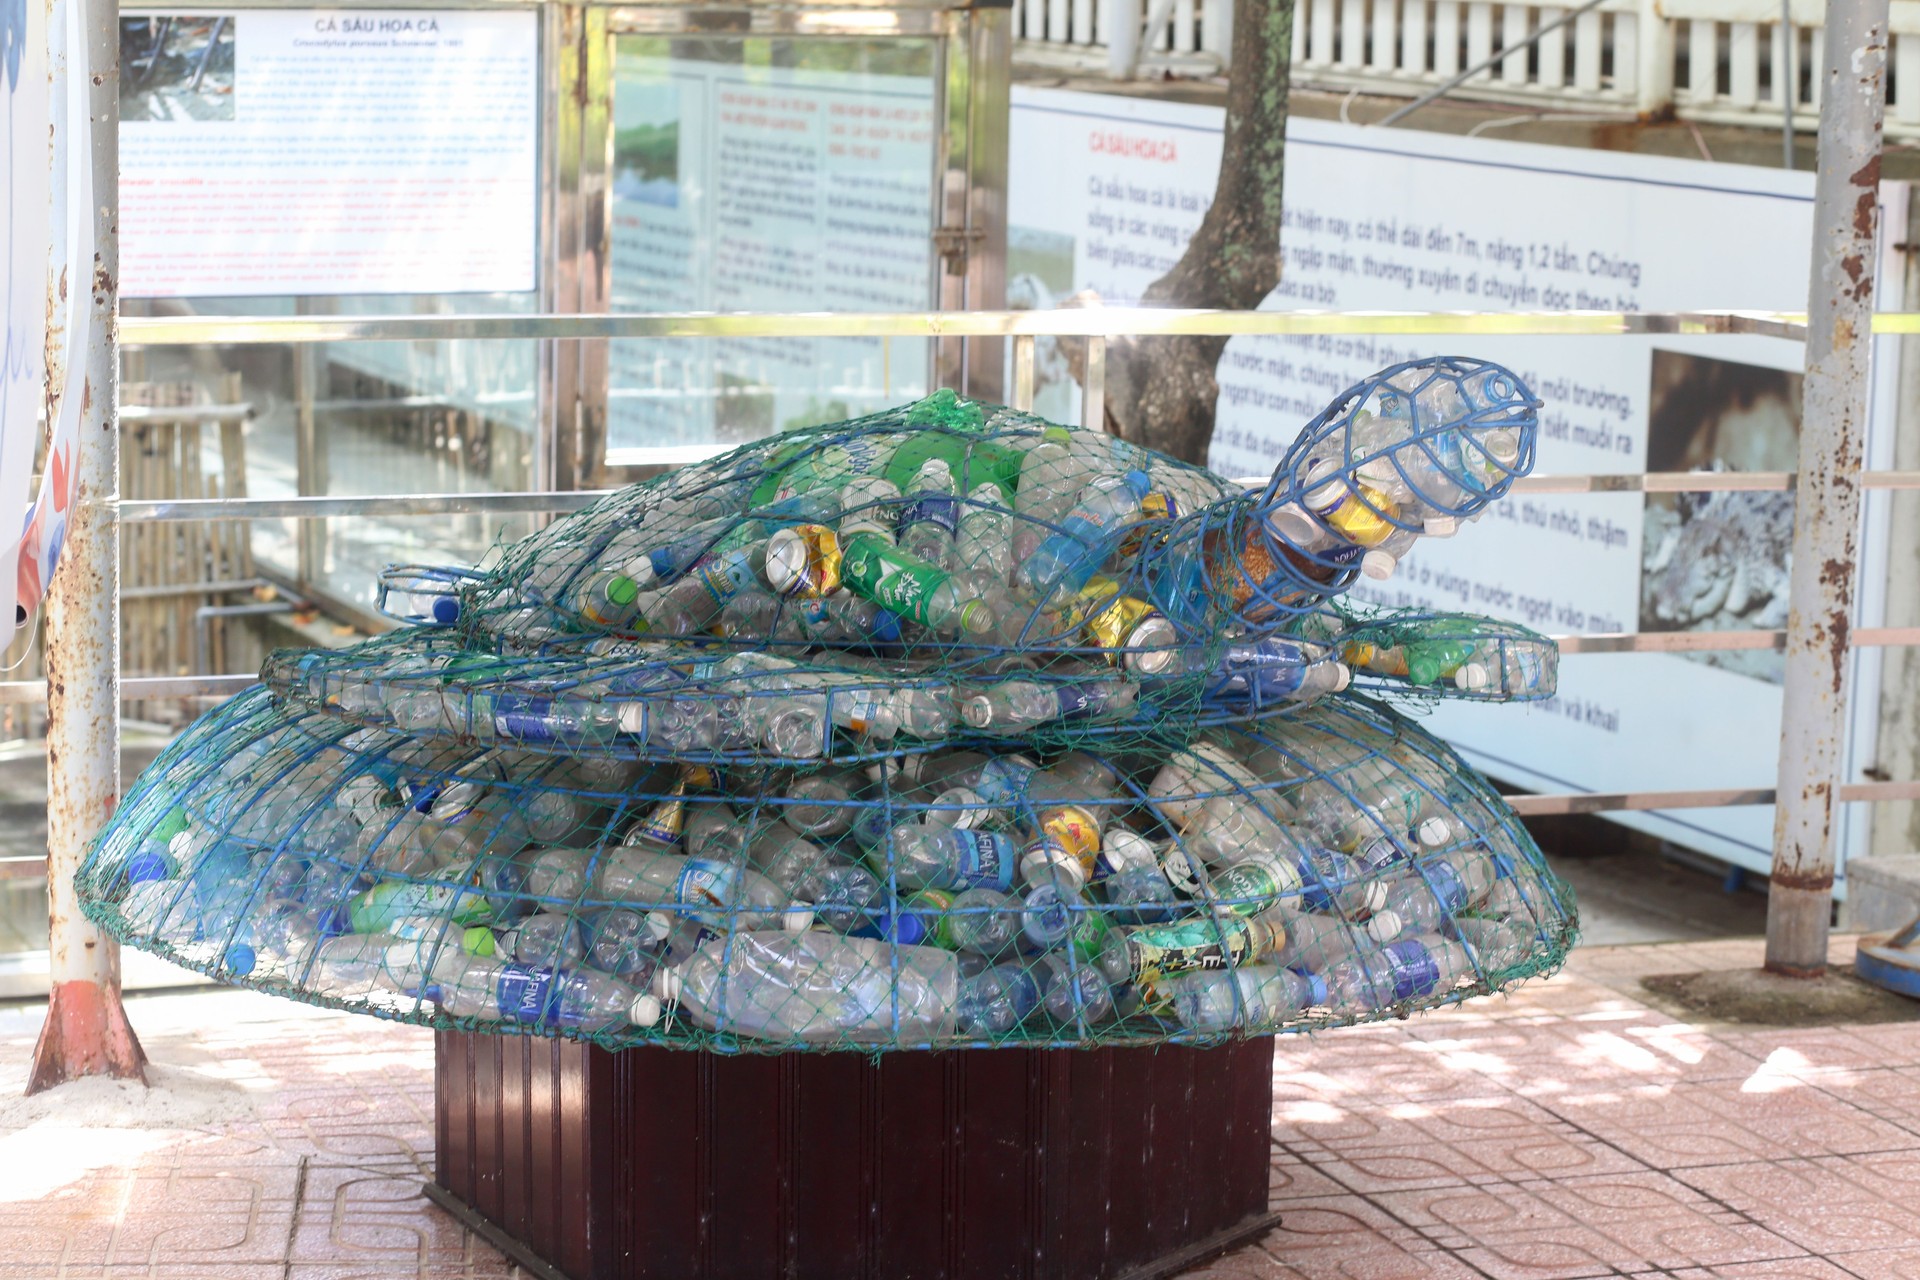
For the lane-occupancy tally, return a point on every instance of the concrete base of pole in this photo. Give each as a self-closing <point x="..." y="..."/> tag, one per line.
<point x="1797" y="928"/>
<point x="86" y="1034"/>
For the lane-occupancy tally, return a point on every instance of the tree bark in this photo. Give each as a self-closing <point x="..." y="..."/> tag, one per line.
<point x="1162" y="392"/>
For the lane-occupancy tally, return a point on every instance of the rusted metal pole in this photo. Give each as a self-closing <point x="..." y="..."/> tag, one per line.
<point x="1827" y="502"/>
<point x="86" y="1032"/>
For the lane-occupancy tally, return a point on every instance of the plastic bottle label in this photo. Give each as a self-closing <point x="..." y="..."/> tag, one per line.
<point x="725" y="576"/>
<point x="526" y="994"/>
<point x="891" y="578"/>
<point x="705" y="884"/>
<point x="516" y="715"/>
<point x="1088" y="699"/>
<point x="1003" y="780"/>
<point x="1448" y="888"/>
<point x="985" y="860"/>
<point x="939" y="509"/>
<point x="1411" y="968"/>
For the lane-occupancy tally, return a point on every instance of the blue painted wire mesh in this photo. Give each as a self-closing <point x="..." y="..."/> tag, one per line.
<point x="781" y="752"/>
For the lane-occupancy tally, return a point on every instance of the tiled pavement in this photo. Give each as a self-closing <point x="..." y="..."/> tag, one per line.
<point x="1570" y="1130"/>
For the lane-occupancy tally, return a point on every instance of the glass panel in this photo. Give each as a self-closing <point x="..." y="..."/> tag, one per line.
<point x="767" y="174"/>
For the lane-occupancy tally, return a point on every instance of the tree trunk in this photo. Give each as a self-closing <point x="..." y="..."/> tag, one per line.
<point x="1161" y="392"/>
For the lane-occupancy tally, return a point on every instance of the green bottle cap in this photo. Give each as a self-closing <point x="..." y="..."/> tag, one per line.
<point x="622" y="590"/>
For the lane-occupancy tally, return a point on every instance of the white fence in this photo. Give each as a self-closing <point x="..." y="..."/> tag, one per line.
<point x="1723" y="61"/>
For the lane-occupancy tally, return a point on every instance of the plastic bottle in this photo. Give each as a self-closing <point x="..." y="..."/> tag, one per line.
<point x="604" y="598"/>
<point x="1431" y="892"/>
<point x="985" y="541"/>
<point x="930" y="520"/>
<point x="821" y="805"/>
<point x="1049" y="482"/>
<point x="1229" y="828"/>
<point x="1075" y="989"/>
<point x="694" y="603"/>
<point x="996" y="1000"/>
<point x="842" y="893"/>
<point x="1274" y="671"/>
<point x="1261" y="995"/>
<point x="944" y="858"/>
<point x="620" y="941"/>
<point x="1316" y="941"/>
<point x="1074" y="551"/>
<point x="1013" y="705"/>
<point x="470" y="893"/>
<point x="1404" y="970"/>
<point x="549" y="938"/>
<point x="720" y="895"/>
<point x="871" y="505"/>
<point x="1190" y="777"/>
<point x="579" y="999"/>
<point x="814" y="988"/>
<point x="1254" y="882"/>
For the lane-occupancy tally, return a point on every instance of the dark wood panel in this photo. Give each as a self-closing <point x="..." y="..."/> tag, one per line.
<point x="986" y="1165"/>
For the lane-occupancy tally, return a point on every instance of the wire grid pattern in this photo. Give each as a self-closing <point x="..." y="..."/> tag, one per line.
<point x="944" y="727"/>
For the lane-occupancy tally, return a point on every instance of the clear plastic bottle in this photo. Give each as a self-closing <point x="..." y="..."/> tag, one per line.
<point x="1014" y="705"/>
<point x="694" y="603"/>
<point x="983" y="922"/>
<point x="1261" y="995"/>
<point x="985" y="541"/>
<point x="1254" y="882"/>
<point x="815" y="988"/>
<point x="930" y="520"/>
<point x="943" y="858"/>
<point x="720" y="895"/>
<point x="1403" y="970"/>
<point x="1075" y="989"/>
<point x="620" y="941"/>
<point x="1425" y="897"/>
<point x="868" y="504"/>
<point x="843" y="894"/>
<point x="996" y="1000"/>
<point x="1073" y="552"/>
<point x="1190" y="777"/>
<point x="489" y="990"/>
<point x="1315" y="942"/>
<point x="821" y="805"/>
<point x="550" y="938"/>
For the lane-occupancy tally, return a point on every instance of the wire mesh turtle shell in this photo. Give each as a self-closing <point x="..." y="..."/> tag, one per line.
<point x="798" y="749"/>
<point x="1317" y="866"/>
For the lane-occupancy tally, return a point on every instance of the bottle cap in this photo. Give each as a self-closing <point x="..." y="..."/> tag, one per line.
<point x="1440" y="526"/>
<point x="1378" y="565"/>
<point x="633" y="718"/>
<point x="1342" y="677"/>
<point x="333" y="922"/>
<point x="645" y="1010"/>
<point x="797" y="918"/>
<point x="145" y="866"/>
<point x="787" y="561"/>
<point x="1376" y="897"/>
<point x="659" y="926"/>
<point x="1385" y="926"/>
<point x="1138" y="481"/>
<point x="445" y="610"/>
<point x="622" y="590"/>
<point x="641" y="570"/>
<point x="1472" y="676"/>
<point x="1153" y="639"/>
<point x="667" y="984"/>
<point x="1433" y="831"/>
<point x="977" y="711"/>
<point x="240" y="959"/>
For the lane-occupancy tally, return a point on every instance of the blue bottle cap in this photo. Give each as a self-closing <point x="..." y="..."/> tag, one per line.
<point x="886" y="627"/>
<point x="333" y="922"/>
<point x="147" y="866"/>
<point x="446" y="610"/>
<point x="240" y="959"/>
<point x="1138" y="481"/>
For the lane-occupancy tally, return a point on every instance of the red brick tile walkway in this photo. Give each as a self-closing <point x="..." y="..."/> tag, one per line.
<point x="1570" y="1130"/>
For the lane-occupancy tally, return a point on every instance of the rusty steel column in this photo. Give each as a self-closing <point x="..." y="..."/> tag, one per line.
<point x="86" y="1032"/>
<point x="1827" y="502"/>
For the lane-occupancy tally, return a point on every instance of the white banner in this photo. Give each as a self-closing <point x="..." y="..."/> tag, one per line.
<point x="1107" y="192"/>
<point x="328" y="151"/>
<point x="23" y="76"/>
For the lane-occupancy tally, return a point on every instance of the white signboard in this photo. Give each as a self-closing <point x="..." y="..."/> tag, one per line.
<point x="1106" y="192"/>
<point x="328" y="151"/>
<point x="754" y="188"/>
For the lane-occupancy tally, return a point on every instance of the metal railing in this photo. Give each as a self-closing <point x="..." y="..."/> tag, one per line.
<point x="1714" y="61"/>
<point x="1095" y="324"/>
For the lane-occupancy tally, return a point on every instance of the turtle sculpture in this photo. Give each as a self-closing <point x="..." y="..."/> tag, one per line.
<point x="946" y="726"/>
